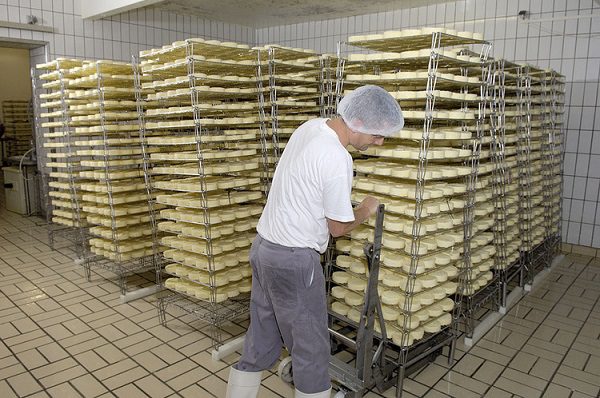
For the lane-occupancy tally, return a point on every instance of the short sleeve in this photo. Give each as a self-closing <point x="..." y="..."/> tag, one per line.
<point x="336" y="198"/>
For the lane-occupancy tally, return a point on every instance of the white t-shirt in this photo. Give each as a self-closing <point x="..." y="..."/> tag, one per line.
<point x="313" y="180"/>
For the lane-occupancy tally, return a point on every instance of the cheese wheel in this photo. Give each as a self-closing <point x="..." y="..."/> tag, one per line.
<point x="435" y="310"/>
<point x="357" y="250"/>
<point x="354" y="315"/>
<point x="232" y="291"/>
<point x="409" y="321"/>
<point x="428" y="281"/>
<point x="390" y="297"/>
<point x="361" y="233"/>
<point x="340" y="277"/>
<point x="340" y="308"/>
<point x="432" y="327"/>
<point x="424" y="298"/>
<point x="421" y="315"/>
<point x="402" y="339"/>
<point x="393" y="242"/>
<point x="245" y="286"/>
<point x="353" y="299"/>
<point x="440" y="276"/>
<point x="339" y="292"/>
<point x="344" y="261"/>
<point x="447" y="304"/>
<point x="357" y="284"/>
<point x="171" y="283"/>
<point x="451" y="271"/>
<point x="449" y="287"/>
<point x="389" y="313"/>
<point x="393" y="279"/>
<point x="359" y="268"/>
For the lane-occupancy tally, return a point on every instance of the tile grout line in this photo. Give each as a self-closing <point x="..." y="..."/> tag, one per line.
<point x="432" y="388"/>
<point x="540" y="323"/>
<point x="108" y="341"/>
<point x="55" y="341"/>
<point x="574" y="339"/>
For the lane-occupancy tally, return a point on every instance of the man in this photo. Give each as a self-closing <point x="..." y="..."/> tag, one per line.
<point x="309" y="199"/>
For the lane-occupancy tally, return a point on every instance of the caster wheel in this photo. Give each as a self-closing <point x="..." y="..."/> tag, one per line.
<point x="340" y="394"/>
<point x="284" y="370"/>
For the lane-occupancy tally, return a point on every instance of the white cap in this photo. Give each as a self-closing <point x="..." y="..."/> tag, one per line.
<point x="371" y="110"/>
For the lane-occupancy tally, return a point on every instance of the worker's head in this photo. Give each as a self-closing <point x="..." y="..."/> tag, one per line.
<point x="371" y="114"/>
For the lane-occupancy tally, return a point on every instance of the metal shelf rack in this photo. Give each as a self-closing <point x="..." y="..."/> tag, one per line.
<point x="504" y="116"/>
<point x="430" y="207"/>
<point x="202" y="146"/>
<point x="106" y="138"/>
<point x="59" y="163"/>
<point x="17" y="117"/>
<point x="290" y="83"/>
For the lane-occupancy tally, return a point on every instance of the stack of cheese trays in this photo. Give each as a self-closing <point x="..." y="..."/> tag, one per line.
<point x="289" y="81"/>
<point x="60" y="159"/>
<point x="17" y="119"/>
<point x="417" y="280"/>
<point x="202" y="133"/>
<point x="507" y="228"/>
<point x="534" y="186"/>
<point x="105" y="130"/>
<point x="330" y="64"/>
<point x="556" y="83"/>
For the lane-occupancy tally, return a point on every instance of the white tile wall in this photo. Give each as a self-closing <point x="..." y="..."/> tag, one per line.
<point x="571" y="47"/>
<point x="117" y="37"/>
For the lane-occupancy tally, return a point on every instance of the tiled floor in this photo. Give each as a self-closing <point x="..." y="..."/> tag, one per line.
<point x="62" y="336"/>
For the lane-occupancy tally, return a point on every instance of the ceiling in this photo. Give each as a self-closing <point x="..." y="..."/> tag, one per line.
<point x="263" y="13"/>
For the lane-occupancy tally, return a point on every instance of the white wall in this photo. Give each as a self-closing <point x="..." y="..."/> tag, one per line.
<point x="117" y="37"/>
<point x="571" y="47"/>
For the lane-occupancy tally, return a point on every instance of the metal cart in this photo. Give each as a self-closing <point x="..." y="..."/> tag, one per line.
<point x="378" y="362"/>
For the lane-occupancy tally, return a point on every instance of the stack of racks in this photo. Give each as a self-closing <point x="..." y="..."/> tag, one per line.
<point x="556" y="94"/>
<point x="507" y="115"/>
<point x="425" y="177"/>
<point x="289" y="85"/>
<point x="532" y="186"/>
<point x="17" y="119"/>
<point x="61" y="165"/>
<point x="203" y="145"/>
<point x="105" y="130"/>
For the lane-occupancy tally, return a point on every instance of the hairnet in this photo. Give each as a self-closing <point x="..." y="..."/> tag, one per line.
<point x="371" y="110"/>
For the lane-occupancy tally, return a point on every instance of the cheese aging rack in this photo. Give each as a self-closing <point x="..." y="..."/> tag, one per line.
<point x="60" y="165"/>
<point x="418" y="273"/>
<point x="202" y="150"/>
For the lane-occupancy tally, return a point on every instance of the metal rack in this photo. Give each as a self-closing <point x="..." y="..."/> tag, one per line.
<point x="482" y="288"/>
<point x="557" y="92"/>
<point x="533" y="252"/>
<point x="503" y="122"/>
<point x="18" y="121"/>
<point x="105" y="135"/>
<point x="415" y="260"/>
<point x="59" y="163"/>
<point x="202" y="146"/>
<point x="294" y="80"/>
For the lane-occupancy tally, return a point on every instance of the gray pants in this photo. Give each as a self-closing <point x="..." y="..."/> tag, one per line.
<point x="288" y="306"/>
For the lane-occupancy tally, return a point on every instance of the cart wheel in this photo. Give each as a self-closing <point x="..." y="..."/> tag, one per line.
<point x="284" y="370"/>
<point x="340" y="394"/>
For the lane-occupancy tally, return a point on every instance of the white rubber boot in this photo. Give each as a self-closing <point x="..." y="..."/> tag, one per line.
<point x="322" y="394"/>
<point x="243" y="384"/>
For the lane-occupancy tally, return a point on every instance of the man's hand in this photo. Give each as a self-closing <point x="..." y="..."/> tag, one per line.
<point x="364" y="210"/>
<point x="370" y="204"/>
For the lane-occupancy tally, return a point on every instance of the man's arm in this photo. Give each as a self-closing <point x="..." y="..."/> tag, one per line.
<point x="364" y="210"/>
